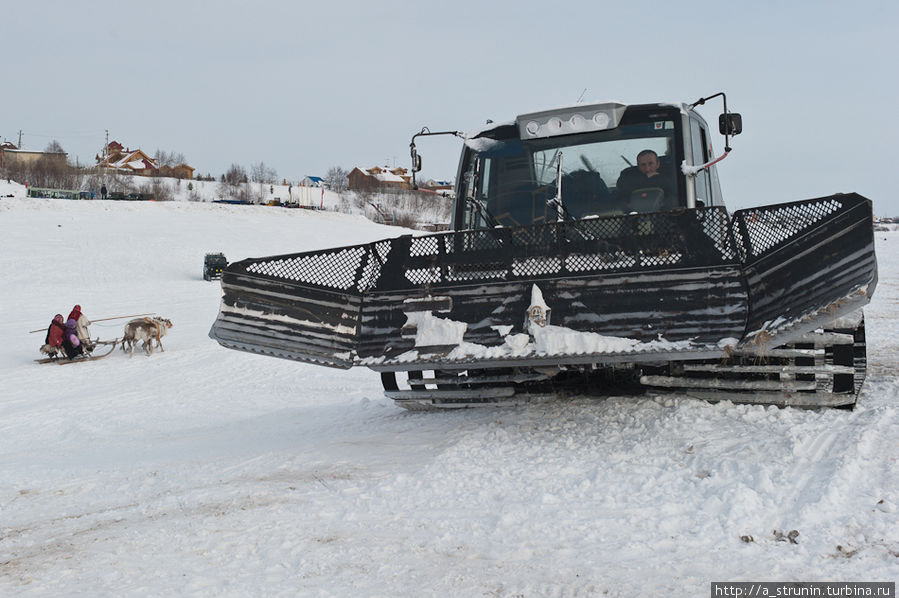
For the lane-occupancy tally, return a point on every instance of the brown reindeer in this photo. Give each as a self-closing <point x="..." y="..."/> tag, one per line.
<point x="145" y="330"/>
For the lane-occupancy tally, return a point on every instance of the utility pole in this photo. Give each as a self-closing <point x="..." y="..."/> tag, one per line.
<point x="20" y="138"/>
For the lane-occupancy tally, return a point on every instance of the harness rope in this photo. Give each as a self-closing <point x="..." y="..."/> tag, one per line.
<point x="155" y="323"/>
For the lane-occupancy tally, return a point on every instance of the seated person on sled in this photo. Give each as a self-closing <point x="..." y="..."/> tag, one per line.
<point x="70" y="342"/>
<point x="81" y="324"/>
<point x="55" y="334"/>
<point x="70" y="337"/>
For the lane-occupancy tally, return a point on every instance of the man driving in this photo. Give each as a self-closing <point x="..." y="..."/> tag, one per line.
<point x="647" y="186"/>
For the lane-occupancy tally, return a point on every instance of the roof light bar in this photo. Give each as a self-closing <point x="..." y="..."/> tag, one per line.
<point x="565" y="121"/>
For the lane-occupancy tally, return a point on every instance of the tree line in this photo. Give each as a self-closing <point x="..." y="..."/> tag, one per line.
<point x="49" y="171"/>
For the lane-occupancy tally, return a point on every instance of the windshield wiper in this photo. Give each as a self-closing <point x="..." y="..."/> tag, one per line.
<point x="481" y="208"/>
<point x="562" y="212"/>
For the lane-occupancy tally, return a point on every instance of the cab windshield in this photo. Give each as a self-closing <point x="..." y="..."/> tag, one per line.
<point x="631" y="168"/>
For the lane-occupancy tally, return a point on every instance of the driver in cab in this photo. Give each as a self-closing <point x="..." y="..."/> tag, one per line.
<point x="646" y="187"/>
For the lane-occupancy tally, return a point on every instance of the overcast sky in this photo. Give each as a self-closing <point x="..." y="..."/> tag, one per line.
<point x="305" y="86"/>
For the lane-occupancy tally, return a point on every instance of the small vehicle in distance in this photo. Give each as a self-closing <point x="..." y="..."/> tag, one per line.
<point x="213" y="265"/>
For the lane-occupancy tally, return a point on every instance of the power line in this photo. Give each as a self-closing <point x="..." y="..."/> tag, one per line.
<point x="66" y="135"/>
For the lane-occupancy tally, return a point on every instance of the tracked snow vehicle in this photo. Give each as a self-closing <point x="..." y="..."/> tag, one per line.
<point x="570" y="266"/>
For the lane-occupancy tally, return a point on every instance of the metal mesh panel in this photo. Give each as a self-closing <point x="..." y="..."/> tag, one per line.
<point x="372" y="270"/>
<point x="477" y="240"/>
<point x="610" y="228"/>
<point x="481" y="271"/>
<point x="535" y="266"/>
<point x="762" y="229"/>
<point x="637" y="241"/>
<point x="424" y="246"/>
<point x="423" y="275"/>
<point x="336" y="269"/>
<point x="683" y="238"/>
<point x="600" y="262"/>
<point x="715" y="224"/>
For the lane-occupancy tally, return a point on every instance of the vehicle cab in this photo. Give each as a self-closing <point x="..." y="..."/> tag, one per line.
<point x="586" y="161"/>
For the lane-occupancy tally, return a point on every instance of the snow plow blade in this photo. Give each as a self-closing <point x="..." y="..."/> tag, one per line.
<point x="806" y="264"/>
<point x="305" y="307"/>
<point x="682" y="285"/>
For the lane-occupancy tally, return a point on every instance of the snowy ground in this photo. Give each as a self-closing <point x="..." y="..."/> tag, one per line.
<point x="426" y="208"/>
<point x="207" y="472"/>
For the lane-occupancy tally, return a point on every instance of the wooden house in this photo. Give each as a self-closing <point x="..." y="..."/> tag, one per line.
<point x="379" y="177"/>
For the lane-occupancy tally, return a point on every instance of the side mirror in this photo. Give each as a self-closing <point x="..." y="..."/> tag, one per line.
<point x="730" y="123"/>
<point x="416" y="161"/>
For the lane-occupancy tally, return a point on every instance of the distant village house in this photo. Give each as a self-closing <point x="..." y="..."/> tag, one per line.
<point x="312" y="181"/>
<point x="438" y="185"/>
<point x="12" y="157"/>
<point x="182" y="171"/>
<point x="136" y="162"/>
<point x="379" y="177"/>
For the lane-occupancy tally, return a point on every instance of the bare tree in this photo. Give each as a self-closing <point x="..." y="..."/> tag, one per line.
<point x="161" y="157"/>
<point x="54" y="147"/>
<point x="234" y="184"/>
<point x="337" y="179"/>
<point x="52" y="172"/>
<point x="260" y="173"/>
<point x="115" y="181"/>
<point x="235" y="175"/>
<point x="170" y="159"/>
<point x="158" y="189"/>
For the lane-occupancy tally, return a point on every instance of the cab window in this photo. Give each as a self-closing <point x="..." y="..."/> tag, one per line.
<point x="702" y="180"/>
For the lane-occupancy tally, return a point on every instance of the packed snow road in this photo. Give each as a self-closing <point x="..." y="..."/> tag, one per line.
<point x="208" y="472"/>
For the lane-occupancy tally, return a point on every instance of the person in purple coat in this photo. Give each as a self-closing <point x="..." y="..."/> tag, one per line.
<point x="70" y="342"/>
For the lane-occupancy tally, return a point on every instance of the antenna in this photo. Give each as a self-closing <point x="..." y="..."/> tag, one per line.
<point x="581" y="97"/>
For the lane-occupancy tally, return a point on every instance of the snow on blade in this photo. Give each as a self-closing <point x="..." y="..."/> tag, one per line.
<point x="432" y="330"/>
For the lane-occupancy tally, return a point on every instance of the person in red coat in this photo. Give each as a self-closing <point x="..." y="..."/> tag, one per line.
<point x="55" y="334"/>
<point x="81" y="324"/>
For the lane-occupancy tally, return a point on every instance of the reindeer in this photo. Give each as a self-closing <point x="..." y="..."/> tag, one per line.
<point x="145" y="330"/>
